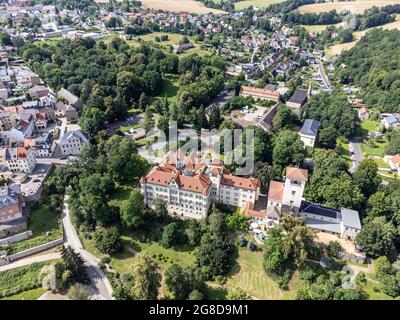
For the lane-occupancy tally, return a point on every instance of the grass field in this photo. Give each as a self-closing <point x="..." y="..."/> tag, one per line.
<point x="173" y="38"/>
<point x="179" y="5"/>
<point x="339" y="48"/>
<point x="249" y="275"/>
<point x="255" y="3"/>
<point x="319" y="27"/>
<point x="368" y="126"/>
<point x="33" y="294"/>
<point x="356" y="6"/>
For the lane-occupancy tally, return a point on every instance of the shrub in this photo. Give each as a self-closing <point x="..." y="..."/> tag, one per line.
<point x="334" y="248"/>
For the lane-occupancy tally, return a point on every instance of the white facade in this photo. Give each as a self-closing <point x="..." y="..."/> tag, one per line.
<point x="24" y="163"/>
<point x="71" y="143"/>
<point x="307" y="140"/>
<point x="189" y="191"/>
<point x="293" y="192"/>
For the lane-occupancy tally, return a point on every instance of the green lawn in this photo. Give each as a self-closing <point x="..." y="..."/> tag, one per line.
<point x="121" y="193"/>
<point x="136" y="126"/>
<point x="375" y="147"/>
<point x="182" y="255"/>
<point x="372" y="287"/>
<point x="33" y="294"/>
<point x="381" y="163"/>
<point x="249" y="274"/>
<point x="170" y="87"/>
<point x="368" y="126"/>
<point x="41" y="221"/>
<point x="173" y="38"/>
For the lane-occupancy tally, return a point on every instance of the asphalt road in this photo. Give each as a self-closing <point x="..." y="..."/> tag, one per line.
<point x="101" y="288"/>
<point x="354" y="146"/>
<point x="324" y="77"/>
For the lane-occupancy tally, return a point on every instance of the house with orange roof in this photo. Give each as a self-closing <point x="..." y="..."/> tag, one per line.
<point x="393" y="162"/>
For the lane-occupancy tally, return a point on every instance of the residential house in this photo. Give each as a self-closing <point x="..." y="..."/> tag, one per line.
<point x="13" y="211"/>
<point x="363" y="113"/>
<point x="309" y="132"/>
<point x="71" y="114"/>
<point x="43" y="145"/>
<point x="38" y="92"/>
<point x="7" y="120"/>
<point x="393" y="162"/>
<point x="18" y="159"/>
<point x="391" y="121"/>
<point x="41" y="120"/>
<point x="72" y="99"/>
<point x="3" y="91"/>
<point x="22" y="130"/>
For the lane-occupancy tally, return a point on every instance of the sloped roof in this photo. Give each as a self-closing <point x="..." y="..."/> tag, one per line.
<point x="299" y="96"/>
<point x="296" y="174"/>
<point x="350" y="218"/>
<point x="71" y="135"/>
<point x="310" y="127"/>
<point x="275" y="191"/>
<point x="240" y="182"/>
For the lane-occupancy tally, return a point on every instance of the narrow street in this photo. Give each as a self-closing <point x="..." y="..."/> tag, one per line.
<point x="323" y="75"/>
<point x="255" y="48"/>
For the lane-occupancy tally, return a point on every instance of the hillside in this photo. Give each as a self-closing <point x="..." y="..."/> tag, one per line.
<point x="374" y="66"/>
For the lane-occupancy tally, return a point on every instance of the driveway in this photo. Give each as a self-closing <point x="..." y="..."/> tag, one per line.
<point x="101" y="287"/>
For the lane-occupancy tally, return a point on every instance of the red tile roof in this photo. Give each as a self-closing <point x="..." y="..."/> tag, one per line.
<point x="240" y="182"/>
<point x="296" y="174"/>
<point x="275" y="191"/>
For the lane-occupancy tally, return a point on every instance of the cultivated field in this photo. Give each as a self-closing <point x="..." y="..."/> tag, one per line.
<point x="179" y="5"/>
<point x="255" y="3"/>
<point x="339" y="48"/>
<point x="356" y="6"/>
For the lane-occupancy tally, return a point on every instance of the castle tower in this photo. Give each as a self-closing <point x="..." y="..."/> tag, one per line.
<point x="295" y="182"/>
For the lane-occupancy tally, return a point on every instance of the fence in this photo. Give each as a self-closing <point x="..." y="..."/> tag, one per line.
<point x="16" y="238"/>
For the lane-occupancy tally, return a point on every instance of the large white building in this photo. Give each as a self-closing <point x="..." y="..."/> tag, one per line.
<point x="189" y="187"/>
<point x="71" y="142"/>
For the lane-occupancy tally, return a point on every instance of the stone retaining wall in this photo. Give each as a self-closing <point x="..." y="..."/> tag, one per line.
<point x="16" y="238"/>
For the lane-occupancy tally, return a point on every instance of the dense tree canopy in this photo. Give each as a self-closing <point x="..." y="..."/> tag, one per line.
<point x="372" y="64"/>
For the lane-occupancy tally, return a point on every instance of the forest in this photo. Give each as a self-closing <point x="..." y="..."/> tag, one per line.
<point x="373" y="65"/>
<point x="112" y="78"/>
